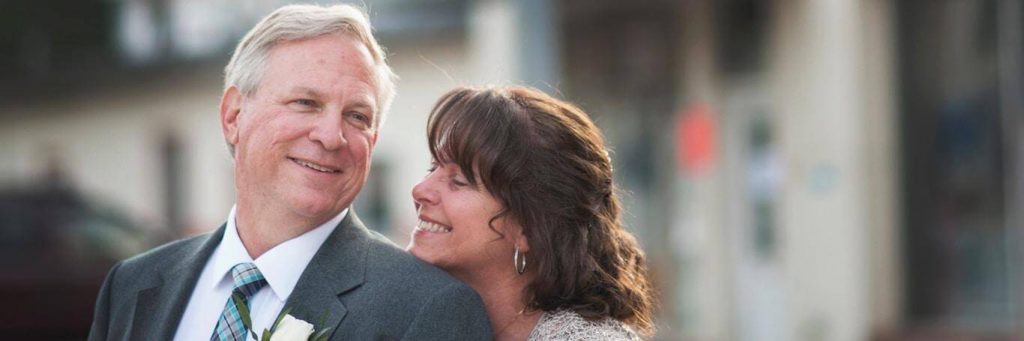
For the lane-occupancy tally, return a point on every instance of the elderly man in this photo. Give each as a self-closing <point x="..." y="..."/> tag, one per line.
<point x="306" y="92"/>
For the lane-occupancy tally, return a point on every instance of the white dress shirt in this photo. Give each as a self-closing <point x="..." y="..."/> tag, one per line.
<point x="281" y="266"/>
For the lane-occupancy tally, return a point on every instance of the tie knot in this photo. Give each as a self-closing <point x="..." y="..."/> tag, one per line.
<point x="248" y="279"/>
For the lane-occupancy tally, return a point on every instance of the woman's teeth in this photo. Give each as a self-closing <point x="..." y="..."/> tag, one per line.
<point x="432" y="227"/>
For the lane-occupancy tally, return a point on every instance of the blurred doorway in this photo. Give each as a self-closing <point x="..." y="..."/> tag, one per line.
<point x="960" y="76"/>
<point x="754" y="175"/>
<point x="753" y="169"/>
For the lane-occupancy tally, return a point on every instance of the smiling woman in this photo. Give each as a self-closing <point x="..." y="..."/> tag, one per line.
<point x="520" y="205"/>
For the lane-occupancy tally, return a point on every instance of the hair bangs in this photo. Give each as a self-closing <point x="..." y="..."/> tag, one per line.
<point x="467" y="128"/>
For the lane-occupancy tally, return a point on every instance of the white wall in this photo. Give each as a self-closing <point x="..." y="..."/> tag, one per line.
<point x="428" y="68"/>
<point x="110" y="139"/>
<point x="108" y="142"/>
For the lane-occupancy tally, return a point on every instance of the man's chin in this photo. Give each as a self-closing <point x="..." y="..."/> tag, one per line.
<point x="316" y="209"/>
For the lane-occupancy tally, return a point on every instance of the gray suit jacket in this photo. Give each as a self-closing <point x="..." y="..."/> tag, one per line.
<point x="367" y="288"/>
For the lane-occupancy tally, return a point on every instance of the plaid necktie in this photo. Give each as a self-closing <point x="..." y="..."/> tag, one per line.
<point x="248" y="280"/>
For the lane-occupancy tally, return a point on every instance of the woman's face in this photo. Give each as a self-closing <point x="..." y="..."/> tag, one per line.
<point x="453" y="231"/>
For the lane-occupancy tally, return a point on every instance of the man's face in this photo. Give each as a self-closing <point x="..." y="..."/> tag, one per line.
<point x="303" y="140"/>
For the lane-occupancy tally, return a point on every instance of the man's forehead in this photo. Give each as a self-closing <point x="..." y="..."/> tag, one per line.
<point x="321" y="58"/>
<point x="343" y="45"/>
<point x="354" y="95"/>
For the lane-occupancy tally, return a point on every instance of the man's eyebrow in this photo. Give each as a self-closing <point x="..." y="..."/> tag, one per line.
<point x="363" y="104"/>
<point x="358" y="102"/>
<point x="307" y="91"/>
<point x="363" y="101"/>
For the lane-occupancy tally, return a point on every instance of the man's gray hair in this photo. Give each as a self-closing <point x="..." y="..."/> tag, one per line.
<point x="297" y="22"/>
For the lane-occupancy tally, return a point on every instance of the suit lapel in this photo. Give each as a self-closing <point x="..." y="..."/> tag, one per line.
<point x="159" y="308"/>
<point x="338" y="267"/>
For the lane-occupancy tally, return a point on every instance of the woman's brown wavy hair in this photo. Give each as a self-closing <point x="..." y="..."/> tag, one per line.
<point x="546" y="162"/>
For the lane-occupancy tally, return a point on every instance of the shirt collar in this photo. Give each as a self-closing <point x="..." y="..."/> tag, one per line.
<point x="282" y="265"/>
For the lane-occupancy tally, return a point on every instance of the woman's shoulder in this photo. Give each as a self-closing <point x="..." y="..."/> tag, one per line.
<point x="567" y="325"/>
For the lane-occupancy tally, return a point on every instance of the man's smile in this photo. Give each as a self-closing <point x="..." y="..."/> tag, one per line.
<point x="314" y="166"/>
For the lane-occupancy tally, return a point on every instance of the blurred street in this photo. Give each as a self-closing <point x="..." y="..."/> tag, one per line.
<point x="795" y="169"/>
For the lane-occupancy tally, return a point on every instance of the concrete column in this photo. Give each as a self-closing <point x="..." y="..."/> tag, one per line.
<point x="493" y="41"/>
<point x="515" y="42"/>
<point x="881" y="160"/>
<point x="820" y="76"/>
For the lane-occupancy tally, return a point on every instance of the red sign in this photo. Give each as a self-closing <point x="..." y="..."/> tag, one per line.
<point x="696" y="139"/>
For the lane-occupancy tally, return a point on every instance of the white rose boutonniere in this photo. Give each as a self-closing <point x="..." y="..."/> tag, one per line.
<point x="289" y="328"/>
<point x="285" y="328"/>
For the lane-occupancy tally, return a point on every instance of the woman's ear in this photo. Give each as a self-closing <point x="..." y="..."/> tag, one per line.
<point x="520" y="240"/>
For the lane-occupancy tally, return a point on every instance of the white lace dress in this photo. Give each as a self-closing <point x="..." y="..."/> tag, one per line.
<point x="567" y="325"/>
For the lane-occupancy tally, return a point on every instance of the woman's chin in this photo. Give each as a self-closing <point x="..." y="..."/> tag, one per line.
<point x="417" y="252"/>
<point x="424" y="255"/>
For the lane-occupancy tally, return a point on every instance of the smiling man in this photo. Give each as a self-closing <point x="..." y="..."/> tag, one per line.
<point x="305" y="95"/>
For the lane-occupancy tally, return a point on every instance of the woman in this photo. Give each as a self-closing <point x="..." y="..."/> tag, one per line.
<point x="519" y="204"/>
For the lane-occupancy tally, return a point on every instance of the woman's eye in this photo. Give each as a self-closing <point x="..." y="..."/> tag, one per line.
<point x="433" y="167"/>
<point x="457" y="182"/>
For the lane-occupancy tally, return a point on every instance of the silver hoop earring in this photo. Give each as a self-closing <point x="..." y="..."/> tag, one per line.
<point x="520" y="266"/>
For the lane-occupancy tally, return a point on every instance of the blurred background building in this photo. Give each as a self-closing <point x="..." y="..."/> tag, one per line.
<point x="795" y="169"/>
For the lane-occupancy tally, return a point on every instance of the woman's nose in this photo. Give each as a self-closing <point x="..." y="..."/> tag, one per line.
<point x="423" y="193"/>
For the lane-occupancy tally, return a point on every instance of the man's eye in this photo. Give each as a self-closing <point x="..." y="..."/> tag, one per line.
<point x="359" y="116"/>
<point x="305" y="103"/>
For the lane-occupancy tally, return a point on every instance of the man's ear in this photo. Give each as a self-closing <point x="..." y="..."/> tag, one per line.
<point x="230" y="107"/>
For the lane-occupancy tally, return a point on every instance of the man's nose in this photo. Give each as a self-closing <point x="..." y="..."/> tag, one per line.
<point x="328" y="131"/>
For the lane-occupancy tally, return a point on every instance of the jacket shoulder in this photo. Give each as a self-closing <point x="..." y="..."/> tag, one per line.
<point x="420" y="301"/>
<point x="161" y="258"/>
<point x="389" y="262"/>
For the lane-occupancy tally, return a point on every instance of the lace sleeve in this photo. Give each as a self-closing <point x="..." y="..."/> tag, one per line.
<point x="566" y="325"/>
